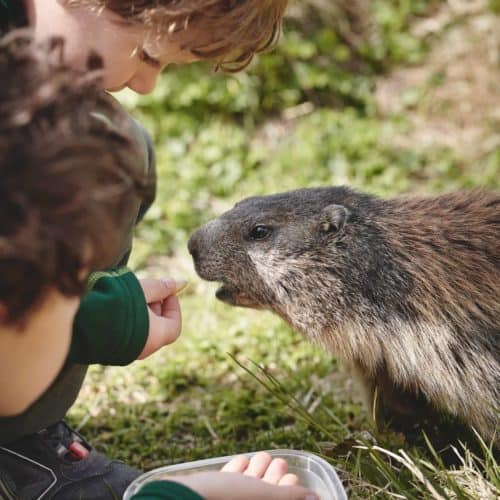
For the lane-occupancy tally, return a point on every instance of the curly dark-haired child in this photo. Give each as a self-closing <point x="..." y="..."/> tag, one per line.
<point x="122" y="319"/>
<point x="67" y="162"/>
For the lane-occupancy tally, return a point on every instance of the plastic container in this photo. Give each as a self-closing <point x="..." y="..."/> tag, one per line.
<point x="313" y="472"/>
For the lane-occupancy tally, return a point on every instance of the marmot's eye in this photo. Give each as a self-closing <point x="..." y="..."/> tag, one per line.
<point x="260" y="232"/>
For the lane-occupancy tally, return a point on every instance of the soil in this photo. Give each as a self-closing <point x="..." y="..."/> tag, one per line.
<point x="452" y="99"/>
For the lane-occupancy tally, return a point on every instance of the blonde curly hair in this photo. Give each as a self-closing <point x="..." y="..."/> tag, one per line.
<point x="235" y="30"/>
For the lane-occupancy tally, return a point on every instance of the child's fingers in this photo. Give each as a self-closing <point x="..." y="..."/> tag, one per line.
<point x="258" y="464"/>
<point x="171" y="308"/>
<point x="158" y="290"/>
<point x="262" y="465"/>
<point x="163" y="330"/>
<point x="180" y="286"/>
<point x="224" y="486"/>
<point x="168" y="308"/>
<point x="288" y="480"/>
<point x="156" y="307"/>
<point x="277" y="469"/>
<point x="166" y="329"/>
<point x="236" y="464"/>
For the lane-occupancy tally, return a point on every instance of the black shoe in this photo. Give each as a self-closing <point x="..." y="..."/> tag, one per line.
<point x="58" y="464"/>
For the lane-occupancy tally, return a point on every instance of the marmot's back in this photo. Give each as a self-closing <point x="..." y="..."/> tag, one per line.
<point x="407" y="289"/>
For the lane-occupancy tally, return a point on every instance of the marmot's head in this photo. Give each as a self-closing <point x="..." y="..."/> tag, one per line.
<point x="316" y="252"/>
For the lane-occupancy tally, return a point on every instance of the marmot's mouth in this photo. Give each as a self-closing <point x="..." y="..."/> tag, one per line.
<point x="224" y="294"/>
<point x="235" y="297"/>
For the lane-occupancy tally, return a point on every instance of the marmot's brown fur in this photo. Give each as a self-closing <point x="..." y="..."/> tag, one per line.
<point x="407" y="290"/>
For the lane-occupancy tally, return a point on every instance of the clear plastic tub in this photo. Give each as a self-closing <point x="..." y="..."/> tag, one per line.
<point x="313" y="472"/>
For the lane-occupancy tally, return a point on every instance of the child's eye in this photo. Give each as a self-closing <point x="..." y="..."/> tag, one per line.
<point x="145" y="57"/>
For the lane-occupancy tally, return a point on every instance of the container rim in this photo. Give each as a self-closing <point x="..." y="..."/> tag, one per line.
<point x="331" y="476"/>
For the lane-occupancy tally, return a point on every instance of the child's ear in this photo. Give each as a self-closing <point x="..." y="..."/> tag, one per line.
<point x="333" y="218"/>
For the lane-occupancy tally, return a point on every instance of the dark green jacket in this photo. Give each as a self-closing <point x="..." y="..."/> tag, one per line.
<point x="111" y="325"/>
<point x="166" y="490"/>
<point x="11" y="15"/>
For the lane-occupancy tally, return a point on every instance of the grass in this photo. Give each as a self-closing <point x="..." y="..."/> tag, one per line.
<point x="237" y="380"/>
<point x="205" y="396"/>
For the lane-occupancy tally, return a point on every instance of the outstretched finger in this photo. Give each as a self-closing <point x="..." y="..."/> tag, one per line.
<point x="289" y="480"/>
<point x="157" y="290"/>
<point x="236" y="464"/>
<point x="276" y="470"/>
<point x="258" y="464"/>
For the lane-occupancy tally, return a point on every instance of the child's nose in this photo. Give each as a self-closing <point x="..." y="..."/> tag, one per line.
<point x="143" y="83"/>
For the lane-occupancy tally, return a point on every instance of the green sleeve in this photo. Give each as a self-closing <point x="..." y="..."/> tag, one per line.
<point x="12" y="15"/>
<point x="166" y="490"/>
<point x="111" y="326"/>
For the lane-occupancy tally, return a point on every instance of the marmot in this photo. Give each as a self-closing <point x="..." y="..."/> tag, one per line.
<point x="407" y="289"/>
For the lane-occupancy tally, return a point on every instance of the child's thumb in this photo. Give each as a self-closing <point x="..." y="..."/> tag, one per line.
<point x="178" y="285"/>
<point x="159" y="290"/>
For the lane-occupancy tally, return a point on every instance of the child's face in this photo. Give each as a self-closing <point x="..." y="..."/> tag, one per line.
<point x="133" y="55"/>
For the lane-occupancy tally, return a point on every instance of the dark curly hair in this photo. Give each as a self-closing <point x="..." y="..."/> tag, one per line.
<point x="68" y="162"/>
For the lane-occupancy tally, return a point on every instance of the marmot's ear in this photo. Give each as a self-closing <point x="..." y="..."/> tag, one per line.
<point x="333" y="219"/>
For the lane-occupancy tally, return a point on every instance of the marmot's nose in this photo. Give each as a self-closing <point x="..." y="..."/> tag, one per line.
<point x="193" y="246"/>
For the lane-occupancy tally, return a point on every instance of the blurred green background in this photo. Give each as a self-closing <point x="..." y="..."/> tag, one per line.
<point x="388" y="96"/>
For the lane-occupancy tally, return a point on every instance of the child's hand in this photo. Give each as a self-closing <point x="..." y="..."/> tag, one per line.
<point x="259" y="478"/>
<point x="263" y="466"/>
<point x="164" y="313"/>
